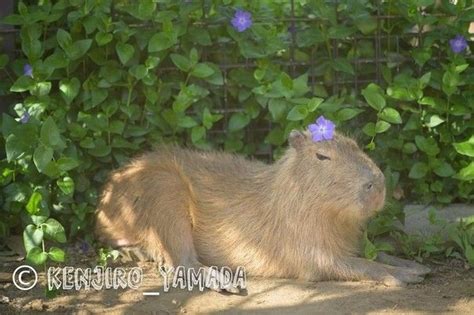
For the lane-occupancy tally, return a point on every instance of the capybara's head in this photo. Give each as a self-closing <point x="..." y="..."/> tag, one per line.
<point x="338" y="173"/>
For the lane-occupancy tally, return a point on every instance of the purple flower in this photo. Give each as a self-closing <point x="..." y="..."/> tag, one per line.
<point x="28" y="70"/>
<point x="323" y="129"/>
<point x="458" y="44"/>
<point x="84" y="247"/>
<point x="242" y="20"/>
<point x="25" y="117"/>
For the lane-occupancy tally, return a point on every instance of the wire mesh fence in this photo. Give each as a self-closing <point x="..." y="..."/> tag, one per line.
<point x="341" y="59"/>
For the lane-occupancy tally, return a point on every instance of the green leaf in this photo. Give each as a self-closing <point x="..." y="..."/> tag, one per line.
<point x="343" y="65"/>
<point x="369" y="129"/>
<point x="41" y="89"/>
<point x="347" y="113"/>
<point x="202" y="70"/>
<point x="209" y="119"/>
<point x="381" y="126"/>
<point x="314" y="103"/>
<point x="374" y="96"/>
<point x="52" y="170"/>
<point x="69" y="89"/>
<point x="365" y="23"/>
<point x="32" y="237"/>
<point x="14" y="19"/>
<point x="418" y="170"/>
<point x="370" y="251"/>
<point x="466" y="173"/>
<point x="390" y="115"/>
<point x="461" y="68"/>
<point x="277" y="108"/>
<point x="466" y="147"/>
<point x="427" y="145"/>
<point x="421" y="55"/>
<point x="66" y="164"/>
<point x="200" y="36"/>
<point x="103" y="38"/>
<point x="276" y="137"/>
<point x="53" y="230"/>
<point x="198" y="133"/>
<point x="34" y="202"/>
<point x="145" y="10"/>
<point x="160" y="41"/>
<point x="15" y="147"/>
<point x="22" y="84"/>
<point x="186" y="122"/>
<point x="434" y="121"/>
<point x="66" y="185"/>
<point x="238" y="121"/>
<point x="125" y="52"/>
<point x="424" y="80"/>
<point x="300" y="85"/>
<point x="298" y="112"/>
<point x="56" y="60"/>
<point x="64" y="39"/>
<point x="42" y="157"/>
<point x="152" y="62"/>
<point x="79" y="49"/>
<point x="182" y="62"/>
<point x="36" y="256"/>
<point x="49" y="133"/>
<point x="100" y="149"/>
<point x="443" y="169"/>
<point x="409" y="148"/>
<point x="187" y="96"/>
<point x="56" y="254"/>
<point x="139" y="71"/>
<point x="3" y="60"/>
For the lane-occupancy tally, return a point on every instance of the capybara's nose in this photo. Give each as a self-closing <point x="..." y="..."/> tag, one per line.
<point x="380" y="179"/>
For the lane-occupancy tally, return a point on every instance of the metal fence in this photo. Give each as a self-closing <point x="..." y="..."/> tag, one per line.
<point x="386" y="48"/>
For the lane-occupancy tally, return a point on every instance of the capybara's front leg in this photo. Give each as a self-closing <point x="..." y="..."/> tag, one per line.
<point x="399" y="262"/>
<point x="363" y="269"/>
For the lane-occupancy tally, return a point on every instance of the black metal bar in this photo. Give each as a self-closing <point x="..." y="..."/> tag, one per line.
<point x="7" y="38"/>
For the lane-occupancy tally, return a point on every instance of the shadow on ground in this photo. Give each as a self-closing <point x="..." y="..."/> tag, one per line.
<point x="449" y="289"/>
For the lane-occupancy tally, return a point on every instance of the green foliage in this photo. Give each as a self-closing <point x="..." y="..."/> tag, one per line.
<point x="109" y="84"/>
<point x="105" y="254"/>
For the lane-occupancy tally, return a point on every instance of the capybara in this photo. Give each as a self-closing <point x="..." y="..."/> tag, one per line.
<point x="300" y="217"/>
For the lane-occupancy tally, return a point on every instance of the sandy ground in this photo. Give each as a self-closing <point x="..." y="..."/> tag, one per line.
<point x="449" y="289"/>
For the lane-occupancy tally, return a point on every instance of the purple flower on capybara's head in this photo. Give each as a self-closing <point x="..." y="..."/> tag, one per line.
<point x="322" y="130"/>
<point x="242" y="20"/>
<point x="458" y="44"/>
<point x="28" y="70"/>
<point x="25" y="118"/>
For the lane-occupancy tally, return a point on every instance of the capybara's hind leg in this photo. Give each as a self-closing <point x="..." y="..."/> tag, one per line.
<point x="167" y="225"/>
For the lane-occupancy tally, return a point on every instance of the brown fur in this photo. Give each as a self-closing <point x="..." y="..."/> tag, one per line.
<point x="300" y="217"/>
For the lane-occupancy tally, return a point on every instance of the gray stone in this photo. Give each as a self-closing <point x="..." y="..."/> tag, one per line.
<point x="417" y="218"/>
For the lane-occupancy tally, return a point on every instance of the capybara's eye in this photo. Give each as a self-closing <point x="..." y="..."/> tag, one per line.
<point x="322" y="157"/>
<point x="369" y="186"/>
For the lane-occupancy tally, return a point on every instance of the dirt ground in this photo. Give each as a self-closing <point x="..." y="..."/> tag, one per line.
<point x="449" y="289"/>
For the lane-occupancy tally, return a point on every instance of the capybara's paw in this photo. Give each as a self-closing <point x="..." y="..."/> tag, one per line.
<point x="417" y="268"/>
<point x="220" y="282"/>
<point x="400" y="277"/>
<point x="399" y="262"/>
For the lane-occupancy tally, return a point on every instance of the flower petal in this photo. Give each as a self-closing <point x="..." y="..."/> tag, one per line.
<point x="321" y="120"/>
<point x="312" y="127"/>
<point x="317" y="137"/>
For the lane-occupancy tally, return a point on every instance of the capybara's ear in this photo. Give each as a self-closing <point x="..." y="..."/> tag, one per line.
<point x="296" y="138"/>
